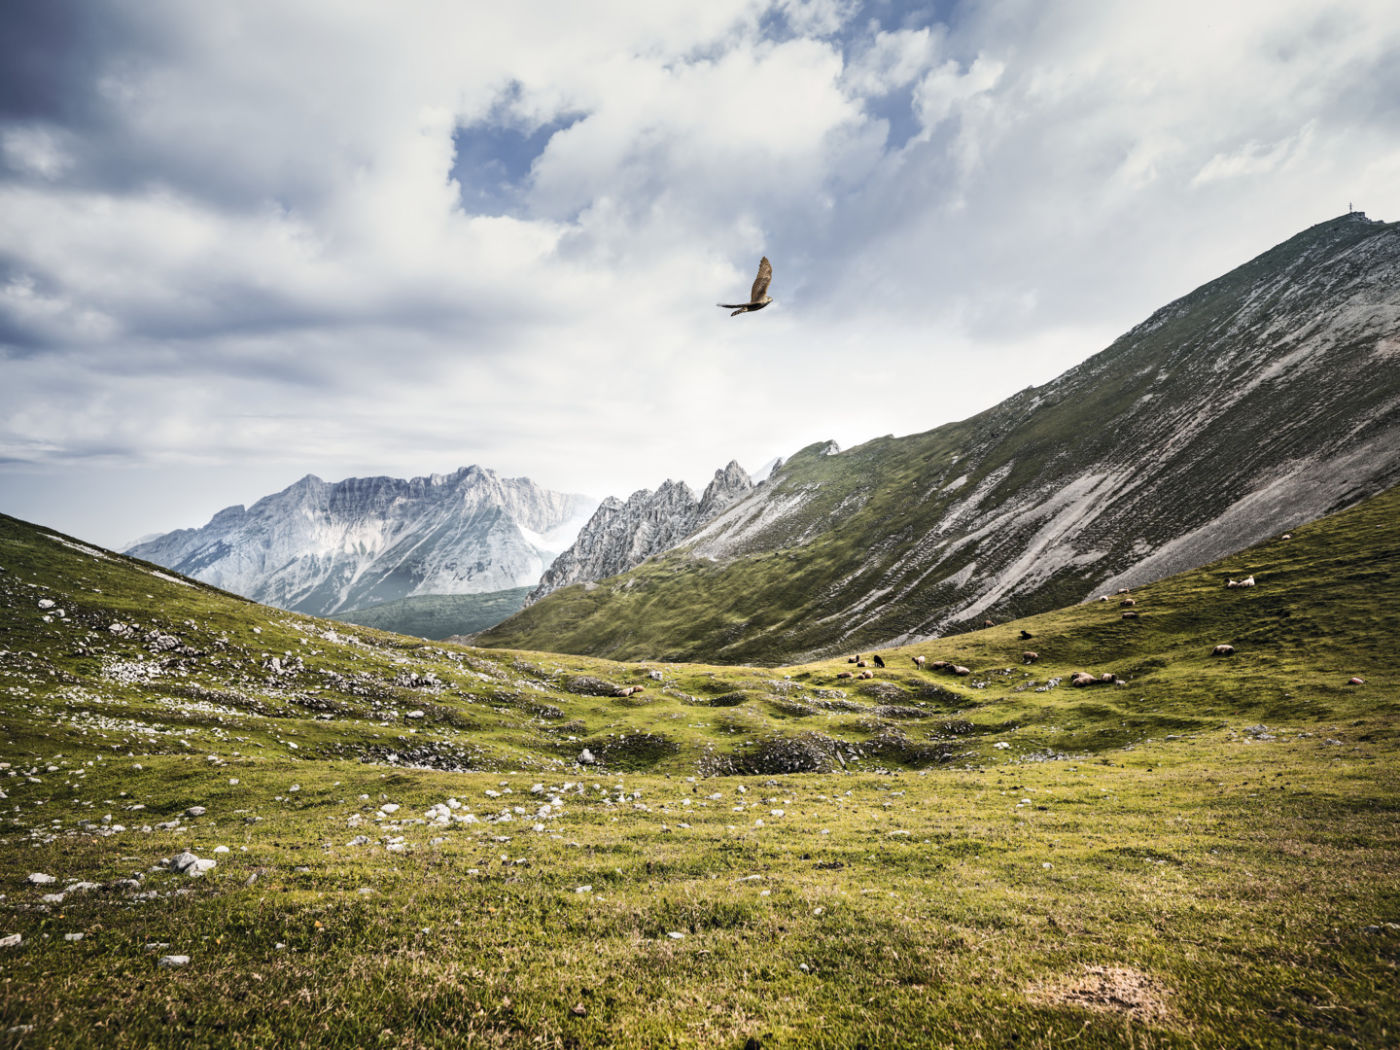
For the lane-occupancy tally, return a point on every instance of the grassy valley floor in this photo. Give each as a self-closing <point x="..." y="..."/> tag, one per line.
<point x="1207" y="854"/>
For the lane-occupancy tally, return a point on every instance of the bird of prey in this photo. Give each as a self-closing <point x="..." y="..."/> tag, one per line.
<point x="759" y="297"/>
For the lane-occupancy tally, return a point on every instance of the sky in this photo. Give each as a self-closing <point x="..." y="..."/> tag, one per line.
<point x="244" y="242"/>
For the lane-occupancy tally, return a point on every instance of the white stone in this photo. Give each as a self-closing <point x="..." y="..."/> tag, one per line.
<point x="11" y="941"/>
<point x="172" y="962"/>
<point x="38" y="878"/>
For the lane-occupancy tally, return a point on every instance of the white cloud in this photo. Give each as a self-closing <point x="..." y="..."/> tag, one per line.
<point x="265" y="196"/>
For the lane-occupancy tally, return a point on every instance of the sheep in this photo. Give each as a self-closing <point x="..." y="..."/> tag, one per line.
<point x="1248" y="581"/>
<point x="867" y="674"/>
<point x="853" y="659"/>
<point x="1080" y="679"/>
<point x="1222" y="650"/>
<point x="878" y="662"/>
<point x="1287" y="536"/>
<point x="919" y="661"/>
<point x="940" y="665"/>
<point x="958" y="669"/>
<point x="1103" y="597"/>
<point x="1029" y="657"/>
<point x="988" y="623"/>
<point x="1357" y="680"/>
<point x="861" y="663"/>
<point x="844" y="674"/>
<point x="1026" y="636"/>
<point x="1127" y="602"/>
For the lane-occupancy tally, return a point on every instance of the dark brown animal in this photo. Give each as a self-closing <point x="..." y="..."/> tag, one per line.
<point x="1026" y="636"/>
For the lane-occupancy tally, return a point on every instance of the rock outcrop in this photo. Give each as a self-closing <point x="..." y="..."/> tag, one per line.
<point x="621" y="536"/>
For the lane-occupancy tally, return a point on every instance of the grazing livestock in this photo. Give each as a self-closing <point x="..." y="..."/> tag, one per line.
<point x="1080" y="679"/>
<point x="1130" y="616"/>
<point x="1128" y="601"/>
<point x="940" y="665"/>
<point x="1026" y="636"/>
<point x="861" y="663"/>
<point x="960" y="670"/>
<point x="878" y="662"/>
<point x="1103" y="597"/>
<point x="1248" y="581"/>
<point x="1287" y="536"/>
<point x="867" y="674"/>
<point x="919" y="661"/>
<point x="853" y="659"/>
<point x="988" y="623"/>
<point x="1029" y="657"/>
<point x="844" y="674"/>
<point x="1358" y="680"/>
<point x="1223" y="650"/>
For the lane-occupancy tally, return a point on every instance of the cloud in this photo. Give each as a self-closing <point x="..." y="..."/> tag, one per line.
<point x="342" y="236"/>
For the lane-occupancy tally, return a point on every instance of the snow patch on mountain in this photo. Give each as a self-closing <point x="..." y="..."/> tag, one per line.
<point x="323" y="548"/>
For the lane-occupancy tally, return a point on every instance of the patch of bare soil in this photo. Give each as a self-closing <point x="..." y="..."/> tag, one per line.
<point x="1110" y="989"/>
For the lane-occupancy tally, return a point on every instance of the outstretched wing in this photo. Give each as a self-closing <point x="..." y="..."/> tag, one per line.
<point x="760" y="283"/>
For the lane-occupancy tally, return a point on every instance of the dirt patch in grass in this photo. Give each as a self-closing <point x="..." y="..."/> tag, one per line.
<point x="1110" y="989"/>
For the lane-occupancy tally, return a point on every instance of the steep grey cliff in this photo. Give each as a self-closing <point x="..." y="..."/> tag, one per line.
<point x="622" y="535"/>
<point x="322" y="548"/>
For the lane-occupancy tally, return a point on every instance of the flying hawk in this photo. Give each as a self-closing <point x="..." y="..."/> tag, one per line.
<point x="759" y="297"/>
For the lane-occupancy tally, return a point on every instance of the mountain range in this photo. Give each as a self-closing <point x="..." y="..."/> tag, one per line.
<point x="323" y="548"/>
<point x="1262" y="400"/>
<point x="622" y="535"/>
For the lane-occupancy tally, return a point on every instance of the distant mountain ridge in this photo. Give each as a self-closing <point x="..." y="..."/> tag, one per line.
<point x="621" y="535"/>
<point x="1264" y="399"/>
<point x="322" y="548"/>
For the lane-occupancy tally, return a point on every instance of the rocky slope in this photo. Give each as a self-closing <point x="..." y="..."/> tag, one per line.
<point x="1261" y="400"/>
<point x="622" y="535"/>
<point x="322" y="548"/>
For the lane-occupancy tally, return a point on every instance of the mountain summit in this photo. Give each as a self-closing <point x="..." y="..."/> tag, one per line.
<point x="622" y="535"/>
<point x="322" y="548"/>
<point x="1262" y="400"/>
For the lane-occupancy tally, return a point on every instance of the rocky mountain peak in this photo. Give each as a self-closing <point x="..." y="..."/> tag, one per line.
<point x="323" y="548"/>
<point x="730" y="485"/>
<point x="621" y="535"/>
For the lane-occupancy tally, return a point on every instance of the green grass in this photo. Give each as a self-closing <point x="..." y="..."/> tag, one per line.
<point x="1224" y="830"/>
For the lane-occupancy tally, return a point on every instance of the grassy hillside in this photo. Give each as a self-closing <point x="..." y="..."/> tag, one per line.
<point x="1269" y="381"/>
<point x="439" y="616"/>
<point x="1207" y="854"/>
